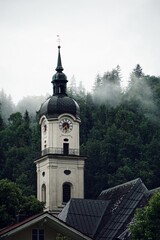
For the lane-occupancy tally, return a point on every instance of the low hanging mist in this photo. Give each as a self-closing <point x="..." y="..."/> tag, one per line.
<point x="107" y="90"/>
<point x="141" y="89"/>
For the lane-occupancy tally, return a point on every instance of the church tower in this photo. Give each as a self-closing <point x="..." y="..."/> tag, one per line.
<point x="60" y="169"/>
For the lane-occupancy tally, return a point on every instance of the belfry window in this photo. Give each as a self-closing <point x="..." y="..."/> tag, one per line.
<point x="66" y="192"/>
<point x="44" y="193"/>
<point x="59" y="91"/>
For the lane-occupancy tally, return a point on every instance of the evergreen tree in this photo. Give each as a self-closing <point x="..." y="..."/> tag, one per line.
<point x="119" y="133"/>
<point x="6" y="105"/>
<point x="107" y="89"/>
<point x="12" y="202"/>
<point x="147" y="221"/>
<point x="137" y="71"/>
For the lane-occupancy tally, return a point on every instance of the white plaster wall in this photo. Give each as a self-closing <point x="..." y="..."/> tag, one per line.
<point x="75" y="178"/>
<point x="55" y="178"/>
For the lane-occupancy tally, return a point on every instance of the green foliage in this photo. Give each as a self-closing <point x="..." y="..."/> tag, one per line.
<point x="6" y="105"/>
<point x="31" y="206"/>
<point x="119" y="133"/>
<point x="147" y="221"/>
<point x="2" y="125"/>
<point x="12" y="201"/>
<point x="10" y="198"/>
<point x="137" y="71"/>
<point x="122" y="142"/>
<point x="19" y="143"/>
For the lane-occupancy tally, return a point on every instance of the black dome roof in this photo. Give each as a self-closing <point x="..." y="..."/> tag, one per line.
<point x="57" y="105"/>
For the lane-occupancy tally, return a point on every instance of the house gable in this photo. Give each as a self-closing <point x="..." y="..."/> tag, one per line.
<point x="51" y="225"/>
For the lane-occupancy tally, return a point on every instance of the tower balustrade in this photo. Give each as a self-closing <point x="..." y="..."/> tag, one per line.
<point x="60" y="151"/>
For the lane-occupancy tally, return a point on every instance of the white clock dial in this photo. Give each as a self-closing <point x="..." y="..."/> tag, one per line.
<point x="66" y="125"/>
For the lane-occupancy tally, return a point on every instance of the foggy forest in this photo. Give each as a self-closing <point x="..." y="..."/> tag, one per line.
<point x="119" y="133"/>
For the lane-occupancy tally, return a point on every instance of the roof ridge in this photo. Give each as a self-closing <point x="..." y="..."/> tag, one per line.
<point x="154" y="190"/>
<point x="119" y="207"/>
<point x="15" y="225"/>
<point x="65" y="210"/>
<point x="120" y="185"/>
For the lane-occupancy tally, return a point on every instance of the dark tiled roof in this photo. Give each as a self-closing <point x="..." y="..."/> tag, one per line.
<point x="126" y="235"/>
<point x="118" y="192"/>
<point x="84" y="215"/>
<point x="108" y="217"/>
<point x="125" y="199"/>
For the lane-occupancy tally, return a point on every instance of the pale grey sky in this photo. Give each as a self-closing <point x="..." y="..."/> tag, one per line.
<point x="96" y="36"/>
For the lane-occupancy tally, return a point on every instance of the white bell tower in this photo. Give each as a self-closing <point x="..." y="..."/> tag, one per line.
<point x="60" y="168"/>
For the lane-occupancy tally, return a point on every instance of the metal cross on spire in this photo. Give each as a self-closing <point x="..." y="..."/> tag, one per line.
<point x="58" y="40"/>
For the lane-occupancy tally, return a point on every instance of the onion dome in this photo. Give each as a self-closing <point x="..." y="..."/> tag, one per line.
<point x="59" y="103"/>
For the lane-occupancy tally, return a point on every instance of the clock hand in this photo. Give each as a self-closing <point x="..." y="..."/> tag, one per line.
<point x="65" y="126"/>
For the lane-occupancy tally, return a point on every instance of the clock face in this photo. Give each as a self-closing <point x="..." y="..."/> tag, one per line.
<point x="66" y="125"/>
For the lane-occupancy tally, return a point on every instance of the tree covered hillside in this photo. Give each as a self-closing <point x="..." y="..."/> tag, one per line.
<point x="120" y="134"/>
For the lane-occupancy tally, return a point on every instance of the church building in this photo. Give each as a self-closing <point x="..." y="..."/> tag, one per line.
<point x="60" y="169"/>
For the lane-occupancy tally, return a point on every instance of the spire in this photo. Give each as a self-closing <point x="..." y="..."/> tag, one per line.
<point x="59" y="67"/>
<point x="59" y="79"/>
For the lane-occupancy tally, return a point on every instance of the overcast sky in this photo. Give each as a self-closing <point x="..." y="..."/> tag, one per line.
<point x="96" y="36"/>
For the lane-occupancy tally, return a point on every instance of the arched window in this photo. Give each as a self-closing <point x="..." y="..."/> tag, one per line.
<point x="66" y="192"/>
<point x="43" y="193"/>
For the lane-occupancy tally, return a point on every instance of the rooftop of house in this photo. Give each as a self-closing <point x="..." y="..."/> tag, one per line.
<point x="84" y="214"/>
<point x="108" y="216"/>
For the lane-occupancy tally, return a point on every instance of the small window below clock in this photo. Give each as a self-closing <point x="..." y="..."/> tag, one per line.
<point x="66" y="140"/>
